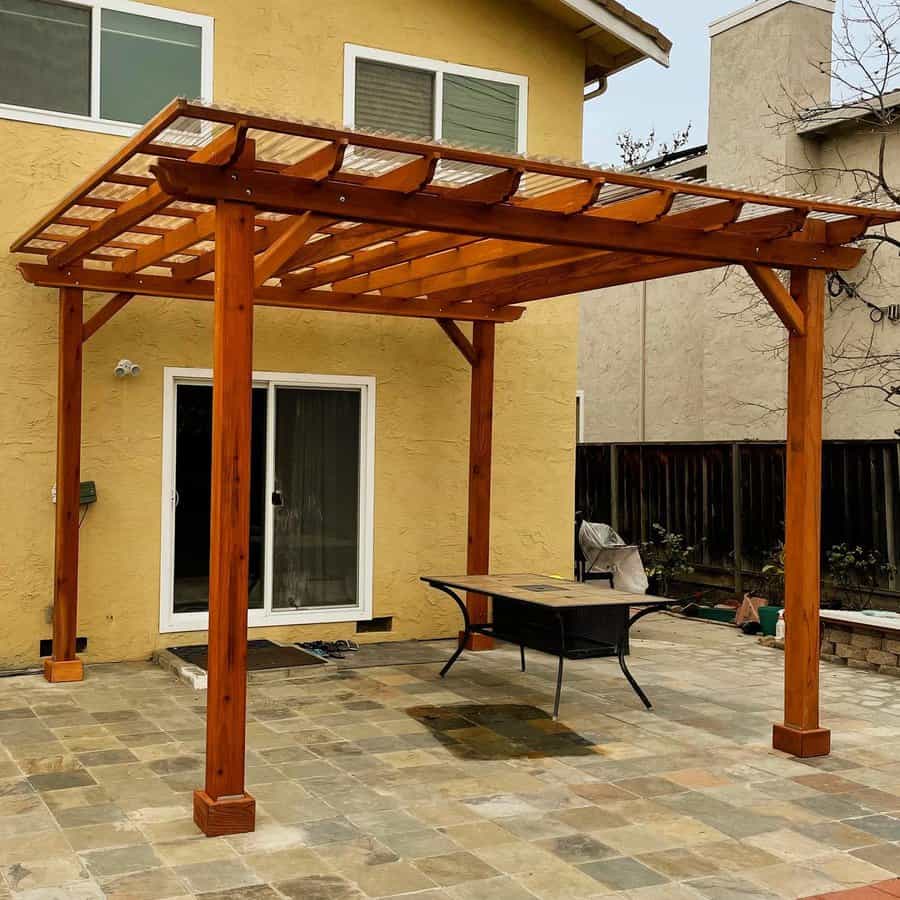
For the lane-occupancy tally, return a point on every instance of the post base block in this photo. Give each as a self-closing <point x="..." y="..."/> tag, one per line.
<point x="804" y="743"/>
<point x="477" y="642"/>
<point x="229" y="815"/>
<point x="59" y="670"/>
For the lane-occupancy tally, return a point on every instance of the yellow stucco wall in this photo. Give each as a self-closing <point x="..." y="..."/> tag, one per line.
<point x="287" y="56"/>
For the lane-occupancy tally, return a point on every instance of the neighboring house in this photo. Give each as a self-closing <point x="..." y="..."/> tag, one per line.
<point x="347" y="413"/>
<point x="652" y="369"/>
<point x="657" y="371"/>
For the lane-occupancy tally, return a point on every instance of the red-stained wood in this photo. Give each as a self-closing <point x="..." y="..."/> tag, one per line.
<point x="459" y="340"/>
<point x="801" y="734"/>
<point x="481" y="430"/>
<point x="215" y="809"/>
<point x="104" y="314"/>
<point x="64" y="665"/>
<point x="364" y="203"/>
<point x="778" y="297"/>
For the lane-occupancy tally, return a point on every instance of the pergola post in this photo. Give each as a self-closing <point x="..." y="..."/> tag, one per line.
<point x="64" y="665"/>
<point x="481" y="424"/>
<point x="223" y="806"/>
<point x="800" y="735"/>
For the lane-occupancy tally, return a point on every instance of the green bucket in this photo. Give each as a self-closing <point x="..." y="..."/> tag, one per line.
<point x="768" y="618"/>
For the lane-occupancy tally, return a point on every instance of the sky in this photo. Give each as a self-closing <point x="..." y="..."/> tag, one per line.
<point x="647" y="95"/>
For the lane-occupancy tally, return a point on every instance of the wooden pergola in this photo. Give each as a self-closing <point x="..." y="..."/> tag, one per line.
<point x="208" y="203"/>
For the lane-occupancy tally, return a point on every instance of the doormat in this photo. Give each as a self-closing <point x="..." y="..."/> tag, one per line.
<point x="260" y="655"/>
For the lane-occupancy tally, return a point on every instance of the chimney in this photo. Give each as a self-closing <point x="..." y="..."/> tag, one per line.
<point x="760" y="57"/>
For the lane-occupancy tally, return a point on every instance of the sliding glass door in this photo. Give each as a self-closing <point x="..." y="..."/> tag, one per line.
<point x="311" y="500"/>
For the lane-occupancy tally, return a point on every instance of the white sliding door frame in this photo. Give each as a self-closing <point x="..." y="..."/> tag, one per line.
<point x="169" y="621"/>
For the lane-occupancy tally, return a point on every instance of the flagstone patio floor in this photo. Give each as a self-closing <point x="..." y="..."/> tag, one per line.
<point x="387" y="782"/>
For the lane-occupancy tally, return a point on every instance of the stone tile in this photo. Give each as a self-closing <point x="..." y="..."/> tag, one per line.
<point x="155" y="884"/>
<point x="104" y="836"/>
<point x="319" y="887"/>
<point x="622" y="873"/>
<point x="251" y="892"/>
<point x="680" y="863"/>
<point x="886" y="828"/>
<point x="886" y="856"/>
<point x="730" y="887"/>
<point x="57" y="781"/>
<point x="120" y="860"/>
<point x="220" y="875"/>
<point x="283" y="865"/>
<point x="417" y="844"/>
<point x="502" y="888"/>
<point x="452" y="868"/>
<point x="77" y="816"/>
<point x="577" y="848"/>
<point x="43" y="873"/>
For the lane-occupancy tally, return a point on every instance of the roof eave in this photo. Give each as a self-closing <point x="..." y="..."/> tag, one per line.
<point x="639" y="39"/>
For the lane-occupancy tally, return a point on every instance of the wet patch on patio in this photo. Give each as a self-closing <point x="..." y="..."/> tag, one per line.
<point x="500" y="731"/>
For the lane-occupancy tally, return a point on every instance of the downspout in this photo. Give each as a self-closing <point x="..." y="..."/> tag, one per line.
<point x="600" y="89"/>
<point x="642" y="400"/>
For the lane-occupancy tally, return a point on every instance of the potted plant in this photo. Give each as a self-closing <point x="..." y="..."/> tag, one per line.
<point x="773" y="589"/>
<point x="666" y="557"/>
<point x="855" y="572"/>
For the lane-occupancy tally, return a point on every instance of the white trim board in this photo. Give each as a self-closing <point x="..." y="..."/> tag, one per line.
<point x="623" y="30"/>
<point x="94" y="122"/>
<point x="268" y="617"/>
<point x="760" y="8"/>
<point x="352" y="52"/>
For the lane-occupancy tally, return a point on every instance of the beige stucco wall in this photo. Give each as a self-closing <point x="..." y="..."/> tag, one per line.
<point x="712" y="373"/>
<point x="285" y="55"/>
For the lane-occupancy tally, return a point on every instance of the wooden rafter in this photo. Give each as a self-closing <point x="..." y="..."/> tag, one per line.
<point x="200" y="182"/>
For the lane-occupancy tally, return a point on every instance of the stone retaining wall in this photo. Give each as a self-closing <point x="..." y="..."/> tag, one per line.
<point x="862" y="648"/>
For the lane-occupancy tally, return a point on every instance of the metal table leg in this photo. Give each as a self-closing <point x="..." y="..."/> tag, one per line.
<point x="559" y="671"/>
<point x="466" y="633"/>
<point x="621" y="649"/>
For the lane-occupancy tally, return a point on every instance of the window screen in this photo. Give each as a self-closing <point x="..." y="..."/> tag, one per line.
<point x="481" y="113"/>
<point x="45" y="55"/>
<point x="394" y="98"/>
<point x="144" y="63"/>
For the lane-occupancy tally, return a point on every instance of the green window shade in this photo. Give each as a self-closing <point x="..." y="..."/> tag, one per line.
<point x="481" y="113"/>
<point x="144" y="63"/>
<point x="394" y="98"/>
<point x="45" y="55"/>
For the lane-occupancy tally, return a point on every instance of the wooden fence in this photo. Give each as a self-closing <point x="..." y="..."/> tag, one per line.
<point x="728" y="499"/>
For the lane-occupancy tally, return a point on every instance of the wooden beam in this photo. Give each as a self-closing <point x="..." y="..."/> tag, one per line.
<point x="104" y="314"/>
<point x="148" y="202"/>
<point x="779" y="298"/>
<point x="223" y="806"/>
<point x="801" y="734"/>
<point x="481" y="423"/>
<point x="648" y="207"/>
<point x="419" y="211"/>
<point x="64" y="665"/>
<point x="333" y="301"/>
<point x="459" y="339"/>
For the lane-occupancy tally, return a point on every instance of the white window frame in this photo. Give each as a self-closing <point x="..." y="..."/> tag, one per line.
<point x="94" y="122"/>
<point x="169" y="621"/>
<point x="579" y="416"/>
<point x="439" y="67"/>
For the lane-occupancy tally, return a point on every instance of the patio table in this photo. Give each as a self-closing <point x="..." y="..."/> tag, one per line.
<point x="529" y="603"/>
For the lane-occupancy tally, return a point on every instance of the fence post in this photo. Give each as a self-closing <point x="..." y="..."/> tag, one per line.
<point x="737" y="519"/>
<point x="614" y="487"/>
<point x="890" y="487"/>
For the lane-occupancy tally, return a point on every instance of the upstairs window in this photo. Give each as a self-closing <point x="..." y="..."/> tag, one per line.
<point x="432" y="99"/>
<point x="104" y="65"/>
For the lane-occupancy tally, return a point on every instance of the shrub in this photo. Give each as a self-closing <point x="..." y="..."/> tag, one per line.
<point x="666" y="556"/>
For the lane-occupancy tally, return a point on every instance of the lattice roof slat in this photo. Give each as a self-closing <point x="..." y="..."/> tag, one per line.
<point x="405" y="226"/>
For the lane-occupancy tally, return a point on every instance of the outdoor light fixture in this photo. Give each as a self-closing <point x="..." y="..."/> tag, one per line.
<point x="126" y="367"/>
